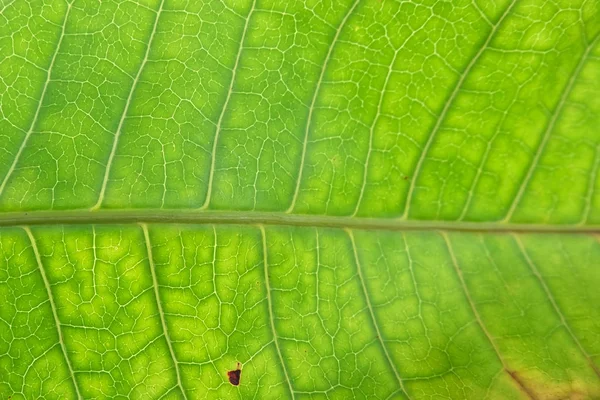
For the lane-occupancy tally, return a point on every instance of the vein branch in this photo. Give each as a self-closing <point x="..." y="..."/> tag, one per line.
<point x="313" y="102"/>
<point x="557" y="310"/>
<point x="549" y="128"/>
<point x="61" y="341"/>
<point x="372" y="315"/>
<point x="372" y="130"/>
<point x="128" y="102"/>
<point x="160" y="309"/>
<point x="211" y="173"/>
<point x="376" y="120"/>
<point x="447" y="106"/>
<point x="15" y="161"/>
<point x="591" y="185"/>
<point x="271" y="314"/>
<point x="520" y="384"/>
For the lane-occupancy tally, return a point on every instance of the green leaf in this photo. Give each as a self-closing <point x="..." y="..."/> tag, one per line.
<point x="359" y="199"/>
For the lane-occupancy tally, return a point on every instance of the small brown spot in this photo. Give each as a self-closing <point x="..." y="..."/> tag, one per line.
<point x="235" y="375"/>
<point x="406" y="177"/>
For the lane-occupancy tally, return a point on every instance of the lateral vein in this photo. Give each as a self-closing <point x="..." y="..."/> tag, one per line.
<point x="271" y="317"/>
<point x="555" y="306"/>
<point x="372" y="315"/>
<point x="160" y="309"/>
<point x="211" y="173"/>
<point x="549" y="128"/>
<point x="446" y="108"/>
<point x="63" y="347"/>
<point x="482" y="326"/>
<point x="39" y="105"/>
<point x="128" y="102"/>
<point x="314" y="101"/>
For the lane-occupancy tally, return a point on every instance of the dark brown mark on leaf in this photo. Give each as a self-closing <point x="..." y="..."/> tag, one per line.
<point x="521" y="384"/>
<point x="235" y="375"/>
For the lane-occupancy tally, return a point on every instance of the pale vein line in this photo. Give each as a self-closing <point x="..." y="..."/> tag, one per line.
<point x="372" y="314"/>
<point x="486" y="154"/>
<point x="376" y="120"/>
<point x="449" y="102"/>
<point x="557" y="310"/>
<point x="314" y="102"/>
<point x="411" y="269"/>
<point x="372" y="128"/>
<point x="63" y="347"/>
<point x="160" y="309"/>
<point x="214" y="270"/>
<point x="480" y="11"/>
<point x="211" y="173"/>
<point x="95" y="260"/>
<point x="591" y="187"/>
<point x="5" y="7"/>
<point x="39" y="105"/>
<point x="482" y="326"/>
<point x="128" y="102"/>
<point x="549" y="128"/>
<point x="270" y="306"/>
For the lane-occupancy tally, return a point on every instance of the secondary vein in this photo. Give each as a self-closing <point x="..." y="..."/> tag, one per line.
<point x="519" y="383"/>
<point x="271" y="317"/>
<point x="160" y="309"/>
<point x="39" y="106"/>
<point x="555" y="306"/>
<point x="372" y="316"/>
<point x="449" y="102"/>
<point x="211" y="172"/>
<point x="314" y="102"/>
<point x="128" y="102"/>
<point x="63" y="347"/>
<point x="549" y="128"/>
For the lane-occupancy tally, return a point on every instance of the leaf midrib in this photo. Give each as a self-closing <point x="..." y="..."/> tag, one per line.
<point x="189" y="216"/>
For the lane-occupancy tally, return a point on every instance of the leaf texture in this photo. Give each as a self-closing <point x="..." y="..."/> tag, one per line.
<point x="357" y="199"/>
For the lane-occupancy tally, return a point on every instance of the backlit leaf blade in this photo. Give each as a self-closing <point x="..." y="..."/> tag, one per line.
<point x="356" y="199"/>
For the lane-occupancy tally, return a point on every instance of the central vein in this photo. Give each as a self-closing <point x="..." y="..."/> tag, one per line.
<point x="186" y="216"/>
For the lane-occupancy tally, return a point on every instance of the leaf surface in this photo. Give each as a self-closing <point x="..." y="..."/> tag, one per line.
<point x="262" y="199"/>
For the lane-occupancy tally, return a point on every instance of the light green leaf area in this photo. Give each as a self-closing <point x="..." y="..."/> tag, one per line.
<point x="370" y="199"/>
<point x="166" y="311"/>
